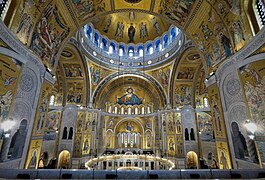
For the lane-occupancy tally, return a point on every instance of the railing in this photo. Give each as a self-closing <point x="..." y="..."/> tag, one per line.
<point x="134" y="174"/>
<point x="136" y="61"/>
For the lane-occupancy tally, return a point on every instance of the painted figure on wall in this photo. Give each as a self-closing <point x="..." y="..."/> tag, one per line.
<point x="25" y="27"/>
<point x="129" y="99"/>
<point x="53" y="120"/>
<point x="180" y="147"/>
<point x="164" y="76"/>
<point x="111" y="123"/>
<point x="119" y="30"/>
<point x="148" y="140"/>
<point x="143" y="30"/>
<point x="217" y="116"/>
<point x="107" y="25"/>
<point x="223" y="160"/>
<point x="5" y="100"/>
<point x="147" y="124"/>
<point x="178" y="126"/>
<point x="33" y="160"/>
<point x="171" y="145"/>
<point x="129" y="126"/>
<point x="170" y="125"/>
<point x="42" y="111"/>
<point x="84" y="8"/>
<point x="86" y="146"/>
<point x="79" y="124"/>
<point x="237" y="34"/>
<point x="87" y="125"/>
<point x="131" y="33"/>
<point x="96" y="75"/>
<point x="226" y="44"/>
<point x="156" y="25"/>
<point x="49" y="34"/>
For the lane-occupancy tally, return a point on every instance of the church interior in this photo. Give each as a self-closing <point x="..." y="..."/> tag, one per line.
<point x="132" y="84"/>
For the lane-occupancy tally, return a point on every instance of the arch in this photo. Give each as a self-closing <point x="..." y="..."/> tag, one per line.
<point x="132" y="119"/>
<point x="70" y="136"/>
<point x="16" y="146"/>
<point x="64" y="160"/>
<point x="64" y="133"/>
<point x="99" y="91"/>
<point x="187" y="134"/>
<point x="192" y="135"/>
<point x="239" y="142"/>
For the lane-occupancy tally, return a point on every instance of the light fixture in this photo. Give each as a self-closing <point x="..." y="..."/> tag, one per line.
<point x="7" y="125"/>
<point x="250" y="126"/>
<point x="166" y="55"/>
<point x="94" y="53"/>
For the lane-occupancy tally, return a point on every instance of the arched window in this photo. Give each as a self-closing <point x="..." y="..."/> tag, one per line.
<point x="52" y="100"/>
<point x="111" y="49"/>
<point x="165" y="41"/>
<point x="104" y="44"/>
<point x="143" y="110"/>
<point x="149" y="49"/>
<point x="192" y="135"/>
<point x="70" y="136"/>
<point x="158" y="45"/>
<point x="121" y="51"/>
<point x="122" y="110"/>
<point x="3" y="8"/>
<point x="260" y="5"/>
<point x="116" y="110"/>
<point x="131" y="51"/>
<point x="64" y="133"/>
<point x="148" y="110"/>
<point x="206" y="103"/>
<point x="96" y="39"/>
<point x="18" y="140"/>
<point x="129" y="110"/>
<point x="172" y="34"/>
<point x="89" y="32"/>
<point x="186" y="134"/>
<point x="110" y="109"/>
<point x="136" y="110"/>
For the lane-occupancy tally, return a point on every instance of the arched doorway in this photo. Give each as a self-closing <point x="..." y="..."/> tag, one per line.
<point x="191" y="160"/>
<point x="64" y="160"/>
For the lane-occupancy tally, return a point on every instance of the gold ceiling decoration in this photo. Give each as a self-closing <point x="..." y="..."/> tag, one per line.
<point x="117" y="26"/>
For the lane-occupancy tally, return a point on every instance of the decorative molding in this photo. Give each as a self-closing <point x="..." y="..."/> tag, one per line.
<point x="68" y="6"/>
<point x="255" y="43"/>
<point x="10" y="39"/>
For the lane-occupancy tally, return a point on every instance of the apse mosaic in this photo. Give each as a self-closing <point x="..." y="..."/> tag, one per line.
<point x="9" y="75"/>
<point x="129" y="98"/>
<point x="253" y="80"/>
